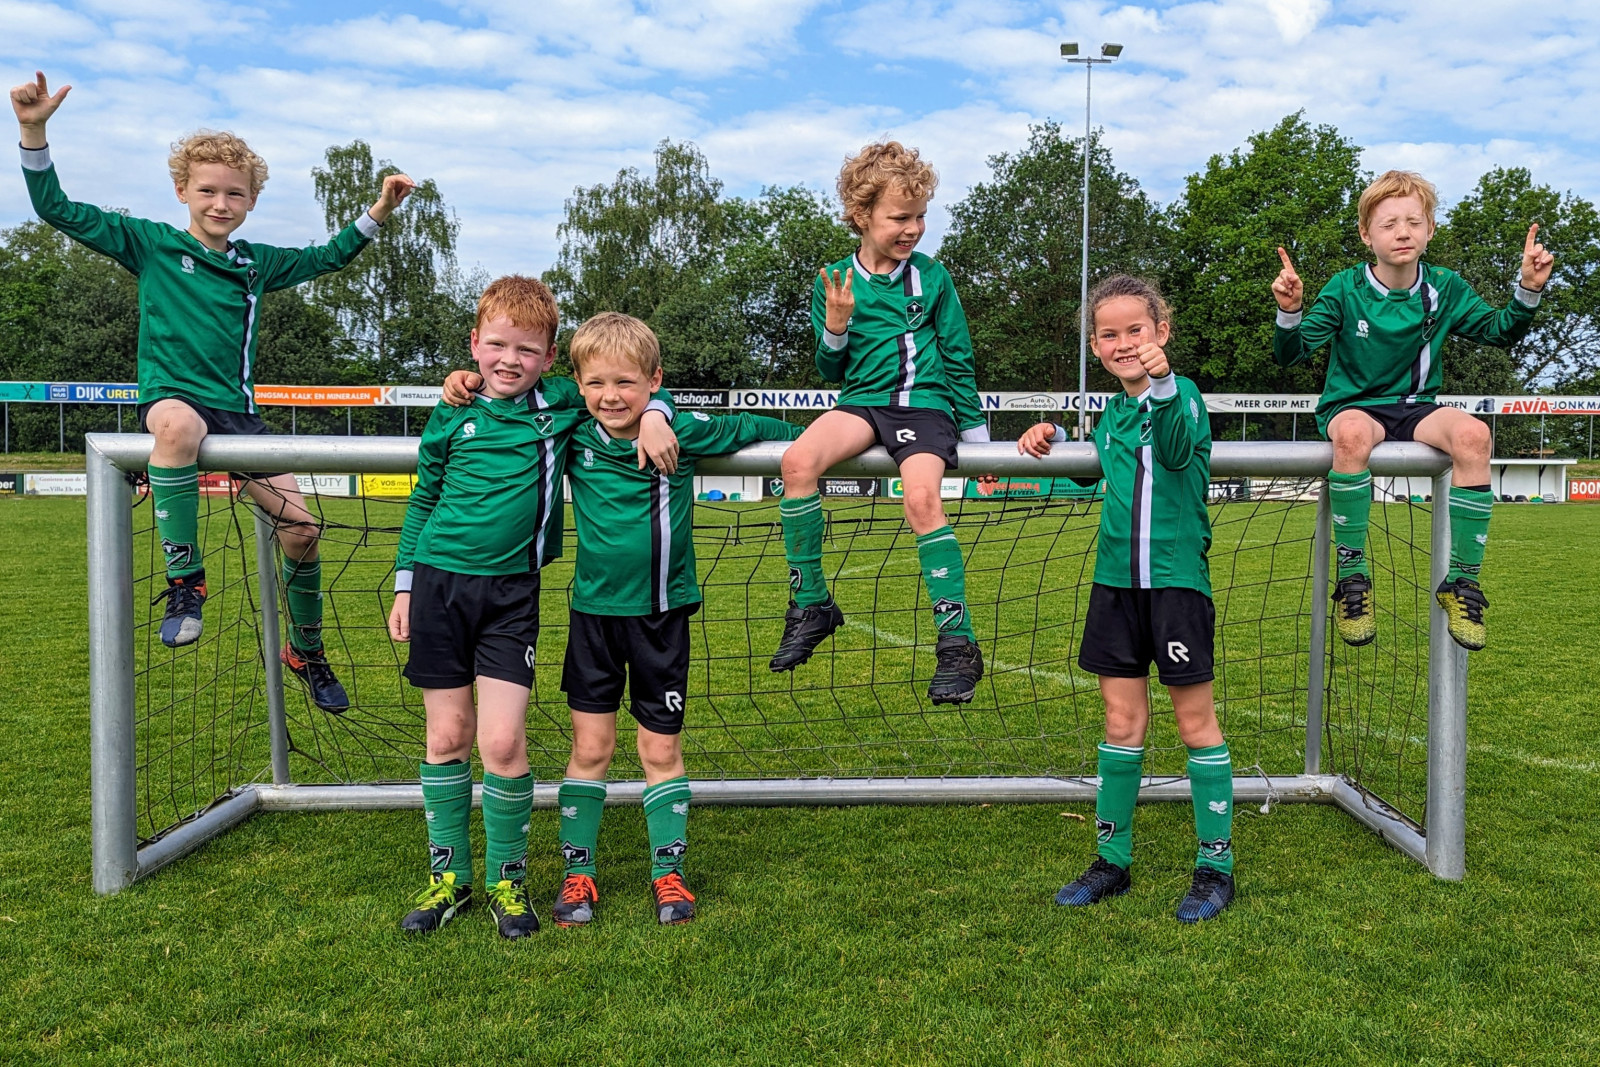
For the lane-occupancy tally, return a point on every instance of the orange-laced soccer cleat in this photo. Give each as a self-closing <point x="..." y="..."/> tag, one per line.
<point x="575" y="901"/>
<point x="674" y="902"/>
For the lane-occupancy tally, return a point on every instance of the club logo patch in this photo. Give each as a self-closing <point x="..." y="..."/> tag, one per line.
<point x="439" y="857"/>
<point x="178" y="554"/>
<point x="794" y="578"/>
<point x="1349" y="557"/>
<point x="543" y="422"/>
<point x="1220" y="849"/>
<point x="572" y="854"/>
<point x="915" y="312"/>
<point x="1144" y="432"/>
<point x="672" y="853"/>
<point x="949" y="613"/>
<point x="777" y="487"/>
<point x="1104" y="831"/>
<point x="514" y="870"/>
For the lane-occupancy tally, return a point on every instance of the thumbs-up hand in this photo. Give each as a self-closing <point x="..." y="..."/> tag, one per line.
<point x="1287" y="289"/>
<point x="1536" y="262"/>
<point x="34" y="104"/>
<point x="1154" y="361"/>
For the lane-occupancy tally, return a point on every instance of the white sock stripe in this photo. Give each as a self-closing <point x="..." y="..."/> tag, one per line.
<point x="1121" y="750"/>
<point x="935" y="539"/>
<point x="601" y="782"/>
<point x="501" y="794"/>
<point x="800" y="509"/>
<point x="465" y="776"/>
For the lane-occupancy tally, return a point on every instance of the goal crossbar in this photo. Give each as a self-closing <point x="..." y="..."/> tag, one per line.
<point x="119" y="857"/>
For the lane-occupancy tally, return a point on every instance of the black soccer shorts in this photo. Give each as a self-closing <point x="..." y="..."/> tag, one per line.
<point x="1128" y="629"/>
<point x="649" y="652"/>
<point x="908" y="431"/>
<point x="219" y="422"/>
<point x="1399" y="421"/>
<point x="465" y="626"/>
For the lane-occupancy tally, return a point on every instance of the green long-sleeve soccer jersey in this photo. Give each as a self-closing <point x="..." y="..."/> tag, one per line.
<point x="1155" y="453"/>
<point x="198" y="309"/>
<point x="907" y="343"/>
<point x="1384" y="344"/>
<point x="635" y="528"/>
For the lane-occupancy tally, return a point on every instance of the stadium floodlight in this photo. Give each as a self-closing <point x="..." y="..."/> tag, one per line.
<point x="186" y="743"/>
<point x="1069" y="52"/>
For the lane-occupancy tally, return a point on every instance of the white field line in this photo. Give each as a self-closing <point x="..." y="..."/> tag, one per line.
<point x="1069" y="677"/>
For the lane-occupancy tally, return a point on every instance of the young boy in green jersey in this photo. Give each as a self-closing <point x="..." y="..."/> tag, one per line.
<point x="484" y="518"/>
<point x="890" y="327"/>
<point x="632" y="595"/>
<point x="1385" y="324"/>
<point x="199" y="292"/>
<point x="1151" y="598"/>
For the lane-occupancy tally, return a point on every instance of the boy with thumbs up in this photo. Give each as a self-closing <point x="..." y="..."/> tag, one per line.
<point x="1385" y="325"/>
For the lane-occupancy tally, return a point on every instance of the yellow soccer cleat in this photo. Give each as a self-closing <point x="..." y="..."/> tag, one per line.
<point x="1353" y="614"/>
<point x="1463" y="603"/>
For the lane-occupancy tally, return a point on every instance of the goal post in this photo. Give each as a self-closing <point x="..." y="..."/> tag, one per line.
<point x="846" y="733"/>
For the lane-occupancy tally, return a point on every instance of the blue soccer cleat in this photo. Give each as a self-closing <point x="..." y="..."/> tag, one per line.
<point x="1209" y="893"/>
<point x="184" y="596"/>
<point x="1102" y="879"/>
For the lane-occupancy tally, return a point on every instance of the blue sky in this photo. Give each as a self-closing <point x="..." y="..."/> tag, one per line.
<point x="509" y="105"/>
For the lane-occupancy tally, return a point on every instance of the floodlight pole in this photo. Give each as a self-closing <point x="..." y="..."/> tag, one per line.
<point x="1108" y="54"/>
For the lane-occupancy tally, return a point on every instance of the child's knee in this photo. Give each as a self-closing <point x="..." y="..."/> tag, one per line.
<point x="448" y="741"/>
<point x="502" y="749"/>
<point x="299" y="539"/>
<point x="1350" y="436"/>
<point x="799" y="463"/>
<point x="660" y="752"/>
<point x="1474" y="439"/>
<point x="594" y="750"/>
<point x="924" y="509"/>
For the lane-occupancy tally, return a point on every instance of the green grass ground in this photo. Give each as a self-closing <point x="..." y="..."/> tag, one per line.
<point x="830" y="935"/>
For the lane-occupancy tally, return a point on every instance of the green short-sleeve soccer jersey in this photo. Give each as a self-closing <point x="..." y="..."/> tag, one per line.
<point x="907" y="343"/>
<point x="1155" y="452"/>
<point x="635" y="528"/>
<point x="1384" y="344"/>
<point x="198" y="309"/>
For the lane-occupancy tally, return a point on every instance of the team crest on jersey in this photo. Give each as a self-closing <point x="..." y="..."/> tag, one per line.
<point x="588" y="457"/>
<point x="573" y="855"/>
<point x="1104" y="830"/>
<point x="543" y="422"/>
<point x="915" y="311"/>
<point x="469" y="430"/>
<point x="188" y="264"/>
<point x="949" y="613"/>
<point x="1144" y="432"/>
<point x="439" y="857"/>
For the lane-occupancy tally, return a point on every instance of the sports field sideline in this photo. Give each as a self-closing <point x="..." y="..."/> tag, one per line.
<point x="887" y="935"/>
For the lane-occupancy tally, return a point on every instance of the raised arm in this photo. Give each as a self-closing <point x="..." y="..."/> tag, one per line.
<point x="286" y="267"/>
<point x="1485" y="324"/>
<point x="832" y="304"/>
<point x="717" y="435"/>
<point x="1298" y="333"/>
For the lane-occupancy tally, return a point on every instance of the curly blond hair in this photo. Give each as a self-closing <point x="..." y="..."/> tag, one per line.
<point x="883" y="167"/>
<point x="215" y="146"/>
<point x="1397" y="183"/>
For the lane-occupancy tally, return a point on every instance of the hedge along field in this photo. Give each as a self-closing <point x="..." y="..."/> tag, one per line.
<point x="882" y="935"/>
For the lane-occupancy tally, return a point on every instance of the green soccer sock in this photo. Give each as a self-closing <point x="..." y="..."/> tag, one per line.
<point x="302" y="586"/>
<point x="1120" y="770"/>
<point x="666" y="815"/>
<point x="582" y="802"/>
<point x="945" y="575"/>
<point x="1469" y="530"/>
<point x="1350" y="502"/>
<point x="175" y="494"/>
<point x="802" y="545"/>
<point x="1211" y="787"/>
<point x="447" y="804"/>
<point x="507" y="810"/>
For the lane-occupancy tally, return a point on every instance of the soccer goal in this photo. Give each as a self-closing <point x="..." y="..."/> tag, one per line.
<point x="186" y="743"/>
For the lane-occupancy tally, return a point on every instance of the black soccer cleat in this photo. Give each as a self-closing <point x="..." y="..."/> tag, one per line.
<point x="1102" y="879"/>
<point x="955" y="679"/>
<point x="575" y="901"/>
<point x="184" y="596"/>
<point x="312" y="668"/>
<point x="442" y="901"/>
<point x="1209" y="893"/>
<point x="1353" y="614"/>
<point x="1463" y="603"/>
<point x="512" y="910"/>
<point x="674" y="902"/>
<point x="803" y="630"/>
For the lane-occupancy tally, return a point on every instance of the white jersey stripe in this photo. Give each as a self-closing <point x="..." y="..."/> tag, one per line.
<point x="547" y="460"/>
<point x="908" y="371"/>
<point x="1146" y="510"/>
<point x="664" y="521"/>
<point x="244" y="356"/>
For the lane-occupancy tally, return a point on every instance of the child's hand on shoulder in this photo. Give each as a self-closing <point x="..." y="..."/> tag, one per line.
<point x="1536" y="262"/>
<point x="657" y="443"/>
<point x="1154" y="361"/>
<point x="459" y="387"/>
<point x="1287" y="288"/>
<point x="33" y="102"/>
<point x="841" y="302"/>
<point x="1035" y="440"/>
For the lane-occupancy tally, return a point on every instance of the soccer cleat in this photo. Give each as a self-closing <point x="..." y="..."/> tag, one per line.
<point x="512" y="910"/>
<point x="1353" y="614"/>
<point x="575" y="901"/>
<point x="1209" y="893"/>
<point x="312" y="668"/>
<point x="181" y="624"/>
<point x="442" y="901"/>
<point x="1102" y="879"/>
<point x="1463" y="603"/>
<point x="955" y="679"/>
<point x="803" y="630"/>
<point x="674" y="902"/>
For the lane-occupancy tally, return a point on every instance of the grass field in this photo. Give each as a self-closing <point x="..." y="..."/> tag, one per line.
<point x="830" y="935"/>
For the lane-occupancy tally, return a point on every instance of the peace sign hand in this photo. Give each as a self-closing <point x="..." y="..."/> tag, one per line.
<point x="1287" y="289"/>
<point x="33" y="103"/>
<point x="841" y="301"/>
<point x="1536" y="262"/>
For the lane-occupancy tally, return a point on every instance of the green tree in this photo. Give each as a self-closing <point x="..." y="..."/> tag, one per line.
<point x="1014" y="250"/>
<point x="402" y="303"/>
<point x="1482" y="238"/>
<point x="1294" y="185"/>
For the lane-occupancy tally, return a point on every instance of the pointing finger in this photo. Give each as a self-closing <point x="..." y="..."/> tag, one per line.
<point x="1529" y="246"/>
<point x="1287" y="265"/>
